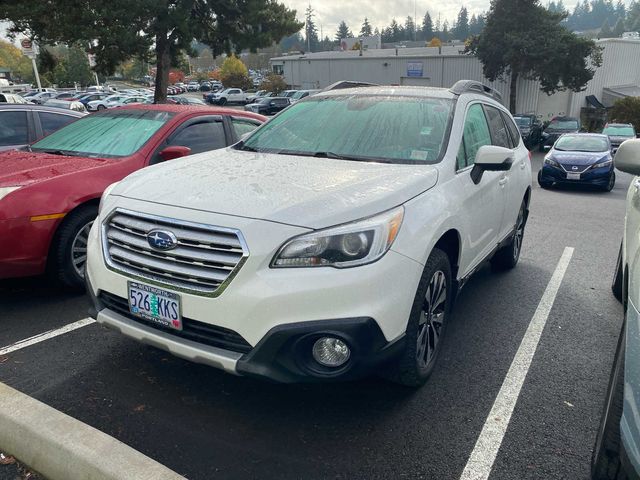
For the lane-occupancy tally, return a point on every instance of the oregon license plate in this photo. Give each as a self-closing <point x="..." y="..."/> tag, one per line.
<point x="573" y="176"/>
<point x="155" y="305"/>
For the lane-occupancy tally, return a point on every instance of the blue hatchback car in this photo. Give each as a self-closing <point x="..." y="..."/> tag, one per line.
<point x="579" y="158"/>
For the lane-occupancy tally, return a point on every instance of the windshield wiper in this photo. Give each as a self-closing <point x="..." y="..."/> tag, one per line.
<point x="356" y="158"/>
<point x="65" y="153"/>
<point x="241" y="146"/>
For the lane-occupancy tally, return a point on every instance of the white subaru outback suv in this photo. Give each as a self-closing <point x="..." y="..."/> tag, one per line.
<point x="328" y="244"/>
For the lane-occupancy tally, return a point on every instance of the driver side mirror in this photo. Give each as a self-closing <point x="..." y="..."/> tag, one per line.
<point x="492" y="159"/>
<point x="627" y="157"/>
<point x="175" y="151"/>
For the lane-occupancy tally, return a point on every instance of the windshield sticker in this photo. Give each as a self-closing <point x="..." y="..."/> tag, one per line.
<point x="419" y="155"/>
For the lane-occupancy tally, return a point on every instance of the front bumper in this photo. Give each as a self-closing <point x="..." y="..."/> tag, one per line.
<point x="597" y="177"/>
<point x="276" y="311"/>
<point x="24" y="246"/>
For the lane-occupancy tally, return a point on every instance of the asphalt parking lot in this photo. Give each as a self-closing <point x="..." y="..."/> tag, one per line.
<point x="207" y="424"/>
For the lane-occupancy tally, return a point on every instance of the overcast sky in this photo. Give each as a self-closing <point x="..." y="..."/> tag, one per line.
<point x="329" y="13"/>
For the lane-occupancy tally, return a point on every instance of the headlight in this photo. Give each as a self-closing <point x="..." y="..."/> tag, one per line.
<point x="4" y="191"/>
<point x="105" y="194"/>
<point x="348" y="245"/>
<point x="605" y="163"/>
<point x="550" y="161"/>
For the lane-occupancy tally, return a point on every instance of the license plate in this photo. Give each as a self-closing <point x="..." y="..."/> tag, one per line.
<point x="573" y="176"/>
<point x="155" y="305"/>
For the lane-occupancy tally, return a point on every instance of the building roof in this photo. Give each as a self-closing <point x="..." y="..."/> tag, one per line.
<point x="623" y="90"/>
<point x="376" y="53"/>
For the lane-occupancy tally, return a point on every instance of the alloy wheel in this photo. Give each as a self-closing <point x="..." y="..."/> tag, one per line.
<point x="431" y="319"/>
<point x="79" y="249"/>
<point x="517" y="238"/>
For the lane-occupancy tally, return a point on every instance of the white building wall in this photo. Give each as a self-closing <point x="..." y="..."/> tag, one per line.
<point x="621" y="66"/>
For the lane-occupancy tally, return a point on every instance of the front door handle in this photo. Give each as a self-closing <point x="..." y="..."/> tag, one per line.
<point x="504" y="179"/>
<point x="522" y="165"/>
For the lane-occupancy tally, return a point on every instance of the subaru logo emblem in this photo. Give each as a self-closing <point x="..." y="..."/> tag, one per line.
<point x="162" y="239"/>
<point x="574" y="168"/>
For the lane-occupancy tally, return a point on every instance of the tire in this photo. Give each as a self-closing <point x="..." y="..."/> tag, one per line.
<point x="222" y="101"/>
<point x="616" y="285"/>
<point x="427" y="328"/>
<point x="541" y="182"/>
<point x="507" y="257"/>
<point x="68" y="253"/>
<point x="611" y="184"/>
<point x="605" y="460"/>
<point x="100" y="107"/>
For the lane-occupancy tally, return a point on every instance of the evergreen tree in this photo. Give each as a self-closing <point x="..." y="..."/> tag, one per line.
<point x="605" y="31"/>
<point x="409" y="29"/>
<point x="365" y="30"/>
<point x="310" y="31"/>
<point x="343" y="31"/>
<point x="621" y="10"/>
<point x="619" y="29"/>
<point x="461" y="31"/>
<point x="445" y="31"/>
<point x="427" y="27"/>
<point x="394" y="31"/>
<point x="532" y="52"/>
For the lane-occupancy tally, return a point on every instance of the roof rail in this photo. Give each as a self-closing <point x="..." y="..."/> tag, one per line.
<point x="472" y="86"/>
<point x="348" y="84"/>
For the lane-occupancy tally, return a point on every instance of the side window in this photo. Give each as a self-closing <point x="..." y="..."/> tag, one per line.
<point x="499" y="132"/>
<point x="243" y="126"/>
<point x="201" y="137"/>
<point x="513" y="130"/>
<point x="52" y="121"/>
<point x="475" y="135"/>
<point x="13" y="128"/>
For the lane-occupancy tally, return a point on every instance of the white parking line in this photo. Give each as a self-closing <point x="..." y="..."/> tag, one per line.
<point x="41" y="337"/>
<point x="484" y="453"/>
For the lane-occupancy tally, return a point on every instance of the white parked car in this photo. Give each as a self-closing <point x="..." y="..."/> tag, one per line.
<point x="617" y="446"/>
<point x="107" y="102"/>
<point x="328" y="244"/>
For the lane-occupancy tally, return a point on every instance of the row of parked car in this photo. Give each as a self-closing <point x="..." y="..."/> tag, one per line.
<point x="262" y="101"/>
<point x="535" y="134"/>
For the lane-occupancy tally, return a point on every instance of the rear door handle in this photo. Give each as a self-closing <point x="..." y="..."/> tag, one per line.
<point x="504" y="179"/>
<point x="522" y="165"/>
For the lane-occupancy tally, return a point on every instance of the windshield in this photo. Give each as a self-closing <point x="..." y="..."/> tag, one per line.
<point x="370" y="128"/>
<point x="564" y="124"/>
<point x="110" y="134"/>
<point x="523" y="121"/>
<point x="581" y="143"/>
<point x="619" y="131"/>
<point x="299" y="95"/>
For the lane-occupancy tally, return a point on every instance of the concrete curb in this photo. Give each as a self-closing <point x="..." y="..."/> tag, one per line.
<point x="63" y="448"/>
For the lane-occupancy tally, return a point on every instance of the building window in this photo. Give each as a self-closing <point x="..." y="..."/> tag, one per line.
<point x="278" y="69"/>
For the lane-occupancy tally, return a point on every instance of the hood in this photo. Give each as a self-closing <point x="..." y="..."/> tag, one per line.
<point x="618" y="139"/>
<point x="21" y="167"/>
<point x="303" y="191"/>
<point x="577" y="158"/>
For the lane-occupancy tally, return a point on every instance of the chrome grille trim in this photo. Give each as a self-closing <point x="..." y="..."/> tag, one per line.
<point x="581" y="168"/>
<point x="204" y="262"/>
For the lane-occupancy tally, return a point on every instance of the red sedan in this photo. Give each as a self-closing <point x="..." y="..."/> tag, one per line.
<point x="50" y="190"/>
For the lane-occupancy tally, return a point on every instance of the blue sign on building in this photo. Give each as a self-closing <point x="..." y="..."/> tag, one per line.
<point x="414" y="69"/>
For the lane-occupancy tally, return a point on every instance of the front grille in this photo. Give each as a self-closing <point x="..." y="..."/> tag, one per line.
<point x="204" y="259"/>
<point x="579" y="168"/>
<point x="191" y="329"/>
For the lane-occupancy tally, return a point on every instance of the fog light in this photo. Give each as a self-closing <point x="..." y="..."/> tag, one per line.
<point x="331" y="352"/>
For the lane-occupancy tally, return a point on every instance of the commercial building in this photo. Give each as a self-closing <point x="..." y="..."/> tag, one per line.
<point x="618" y="76"/>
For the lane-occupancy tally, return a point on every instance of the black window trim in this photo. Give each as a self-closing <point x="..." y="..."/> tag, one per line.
<point x="206" y="118"/>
